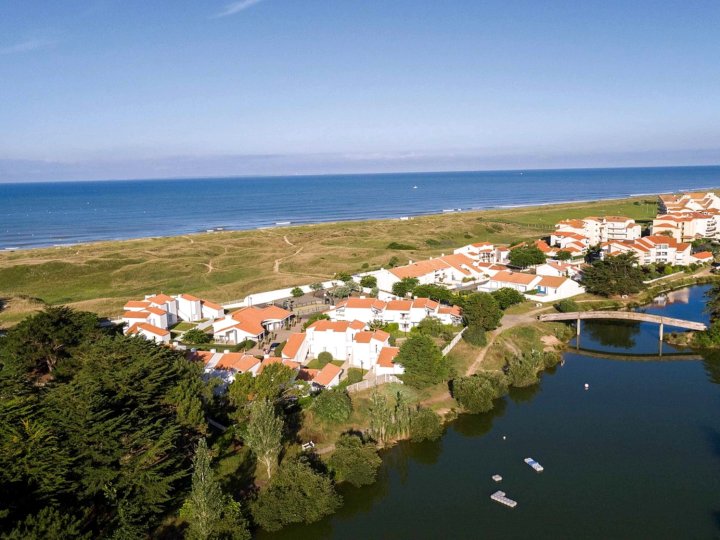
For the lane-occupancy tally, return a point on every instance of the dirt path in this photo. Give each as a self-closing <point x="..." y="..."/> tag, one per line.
<point x="288" y="242"/>
<point x="508" y="322"/>
<point x="209" y="266"/>
<point x="276" y="266"/>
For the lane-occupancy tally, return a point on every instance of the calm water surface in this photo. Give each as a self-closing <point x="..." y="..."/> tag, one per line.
<point x="45" y="214"/>
<point x="635" y="456"/>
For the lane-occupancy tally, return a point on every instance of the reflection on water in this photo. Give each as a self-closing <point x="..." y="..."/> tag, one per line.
<point x="644" y="431"/>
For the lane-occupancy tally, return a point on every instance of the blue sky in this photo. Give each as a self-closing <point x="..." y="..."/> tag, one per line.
<point x="136" y="89"/>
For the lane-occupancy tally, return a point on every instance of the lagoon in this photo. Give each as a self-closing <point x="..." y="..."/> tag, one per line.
<point x="637" y="455"/>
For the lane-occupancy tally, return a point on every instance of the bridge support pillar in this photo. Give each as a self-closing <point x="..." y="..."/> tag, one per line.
<point x="577" y="328"/>
<point x="661" y="331"/>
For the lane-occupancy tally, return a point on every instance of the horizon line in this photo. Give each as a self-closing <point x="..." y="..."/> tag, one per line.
<point x="352" y="174"/>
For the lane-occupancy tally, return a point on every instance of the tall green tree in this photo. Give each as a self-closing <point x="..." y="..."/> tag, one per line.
<point x="380" y="415"/>
<point x="477" y="392"/>
<point x="481" y="310"/>
<point x="526" y="255"/>
<point x="263" y="433"/>
<point x="332" y="406"/>
<point x="506" y="297"/>
<point x="615" y="275"/>
<point x="401" y="416"/>
<point x="210" y="513"/>
<point x="423" y="362"/>
<point x="405" y="286"/>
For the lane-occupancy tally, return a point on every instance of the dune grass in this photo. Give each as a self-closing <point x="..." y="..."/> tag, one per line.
<point x="224" y="266"/>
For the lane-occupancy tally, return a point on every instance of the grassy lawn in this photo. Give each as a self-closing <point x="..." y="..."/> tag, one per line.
<point x="183" y="326"/>
<point x="102" y="276"/>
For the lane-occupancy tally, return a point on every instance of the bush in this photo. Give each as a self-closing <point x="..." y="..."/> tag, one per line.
<point x="477" y="392"/>
<point x="396" y="245"/>
<point x="369" y="282"/>
<point x="196" y="336"/>
<point x="279" y="349"/>
<point x="315" y="317"/>
<point x="506" y="297"/>
<point x="244" y="345"/>
<point x="475" y="335"/>
<point x="333" y="406"/>
<point x="522" y="370"/>
<point x="354" y="461"/>
<point x="393" y="262"/>
<point x="405" y="286"/>
<point x="296" y="494"/>
<point x="566" y="306"/>
<point x="430" y="326"/>
<point x="324" y="358"/>
<point x="434" y="292"/>
<point x="425" y="425"/>
<point x="297" y="292"/>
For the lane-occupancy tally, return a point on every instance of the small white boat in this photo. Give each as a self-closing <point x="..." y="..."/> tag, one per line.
<point x="497" y="477"/>
<point x="534" y="464"/>
<point x="414" y="187"/>
<point x="282" y="223"/>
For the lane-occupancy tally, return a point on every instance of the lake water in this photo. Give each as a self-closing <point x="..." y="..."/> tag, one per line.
<point x="45" y="214"/>
<point x="635" y="456"/>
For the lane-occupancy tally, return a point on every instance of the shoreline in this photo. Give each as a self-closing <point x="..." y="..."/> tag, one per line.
<point x="281" y="226"/>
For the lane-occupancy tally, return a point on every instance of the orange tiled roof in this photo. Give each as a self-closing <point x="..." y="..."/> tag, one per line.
<point x="327" y="374"/>
<point x="386" y="356"/>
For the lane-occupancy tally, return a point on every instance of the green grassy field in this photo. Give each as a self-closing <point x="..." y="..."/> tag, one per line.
<point x="224" y="266"/>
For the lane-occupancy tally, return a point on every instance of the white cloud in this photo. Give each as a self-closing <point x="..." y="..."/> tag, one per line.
<point x="26" y="46"/>
<point x="237" y="7"/>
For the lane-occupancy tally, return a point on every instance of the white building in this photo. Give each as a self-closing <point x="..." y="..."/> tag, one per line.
<point x="680" y="203"/>
<point x="296" y="348"/>
<point x="386" y="365"/>
<point x="653" y="249"/>
<point x="596" y="230"/>
<point x="449" y="270"/>
<point x="406" y="313"/>
<point x="249" y="323"/>
<point x="541" y="288"/>
<point x="149" y="332"/>
<point x="687" y="226"/>
<point x="328" y="377"/>
<point x="189" y="307"/>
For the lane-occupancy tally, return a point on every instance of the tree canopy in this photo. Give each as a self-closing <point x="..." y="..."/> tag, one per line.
<point x="332" y="406"/>
<point x="354" y="461"/>
<point x="97" y="425"/>
<point x="405" y="286"/>
<point x="506" y="297"/>
<point x="296" y="494"/>
<point x="615" y="275"/>
<point x="526" y="255"/>
<point x="482" y="310"/>
<point x="477" y="392"/>
<point x="423" y="362"/>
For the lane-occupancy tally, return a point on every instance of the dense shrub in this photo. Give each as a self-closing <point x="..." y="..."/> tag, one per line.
<point x="477" y="392"/>
<point x="425" y="424"/>
<point x="423" y="362"/>
<point x="566" y="306"/>
<point x="324" y="358"/>
<point x="297" y="292"/>
<point x="368" y="282"/>
<point x="481" y="309"/>
<point x="475" y="335"/>
<point x="506" y="297"/>
<point x="354" y="461"/>
<point x="332" y="406"/>
<point x="195" y="336"/>
<point x="399" y="246"/>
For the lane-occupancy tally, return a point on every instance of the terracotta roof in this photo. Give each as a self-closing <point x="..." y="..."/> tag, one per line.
<point x="514" y="277"/>
<point x="454" y="310"/>
<point x="306" y="374"/>
<point x="366" y="336"/>
<point x="399" y="305"/>
<point x="189" y="297"/>
<point x="420" y="268"/>
<point x="148" y="328"/>
<point x="574" y="223"/>
<point x="424" y="303"/>
<point x="156" y="311"/>
<point x="326" y="375"/>
<point x="136" y="315"/>
<point x="360" y="303"/>
<point x="160" y="299"/>
<point x="293" y="344"/>
<point x="212" y="305"/>
<point x="277" y="360"/>
<point x="205" y="356"/>
<point x="136" y="304"/>
<point x="703" y="255"/>
<point x="250" y="319"/>
<point x="386" y="356"/>
<point x="324" y="325"/>
<point x="552" y="281"/>
<point x="542" y="246"/>
<point x="459" y="261"/>
<point x="237" y="361"/>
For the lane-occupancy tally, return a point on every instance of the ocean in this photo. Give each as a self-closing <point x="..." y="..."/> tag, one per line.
<point x="47" y="214"/>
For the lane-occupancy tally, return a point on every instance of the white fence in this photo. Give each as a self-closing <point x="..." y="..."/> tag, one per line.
<point x="449" y="347"/>
<point x="377" y="381"/>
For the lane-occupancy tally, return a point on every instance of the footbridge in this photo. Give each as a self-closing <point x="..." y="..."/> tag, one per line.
<point x="579" y="316"/>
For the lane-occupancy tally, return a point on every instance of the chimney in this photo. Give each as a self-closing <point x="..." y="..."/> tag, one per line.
<point x="226" y="351"/>
<point x="213" y="351"/>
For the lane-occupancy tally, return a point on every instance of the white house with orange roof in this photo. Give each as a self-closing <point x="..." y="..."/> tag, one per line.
<point x="687" y="226"/>
<point x="149" y="332"/>
<point x="479" y="251"/>
<point x="365" y="349"/>
<point x="296" y="348"/>
<point x="386" y="364"/>
<point x="541" y="288"/>
<point x="166" y="303"/>
<point x="653" y="249"/>
<point x="566" y="240"/>
<point x="189" y="307"/>
<point x="336" y="338"/>
<point x="211" y="310"/>
<point x="150" y="315"/>
<point x="406" y="313"/>
<point x="449" y="270"/>
<point x="558" y="269"/>
<point x="703" y="257"/>
<point x="328" y="377"/>
<point x="249" y="323"/>
<point x="688" y="202"/>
